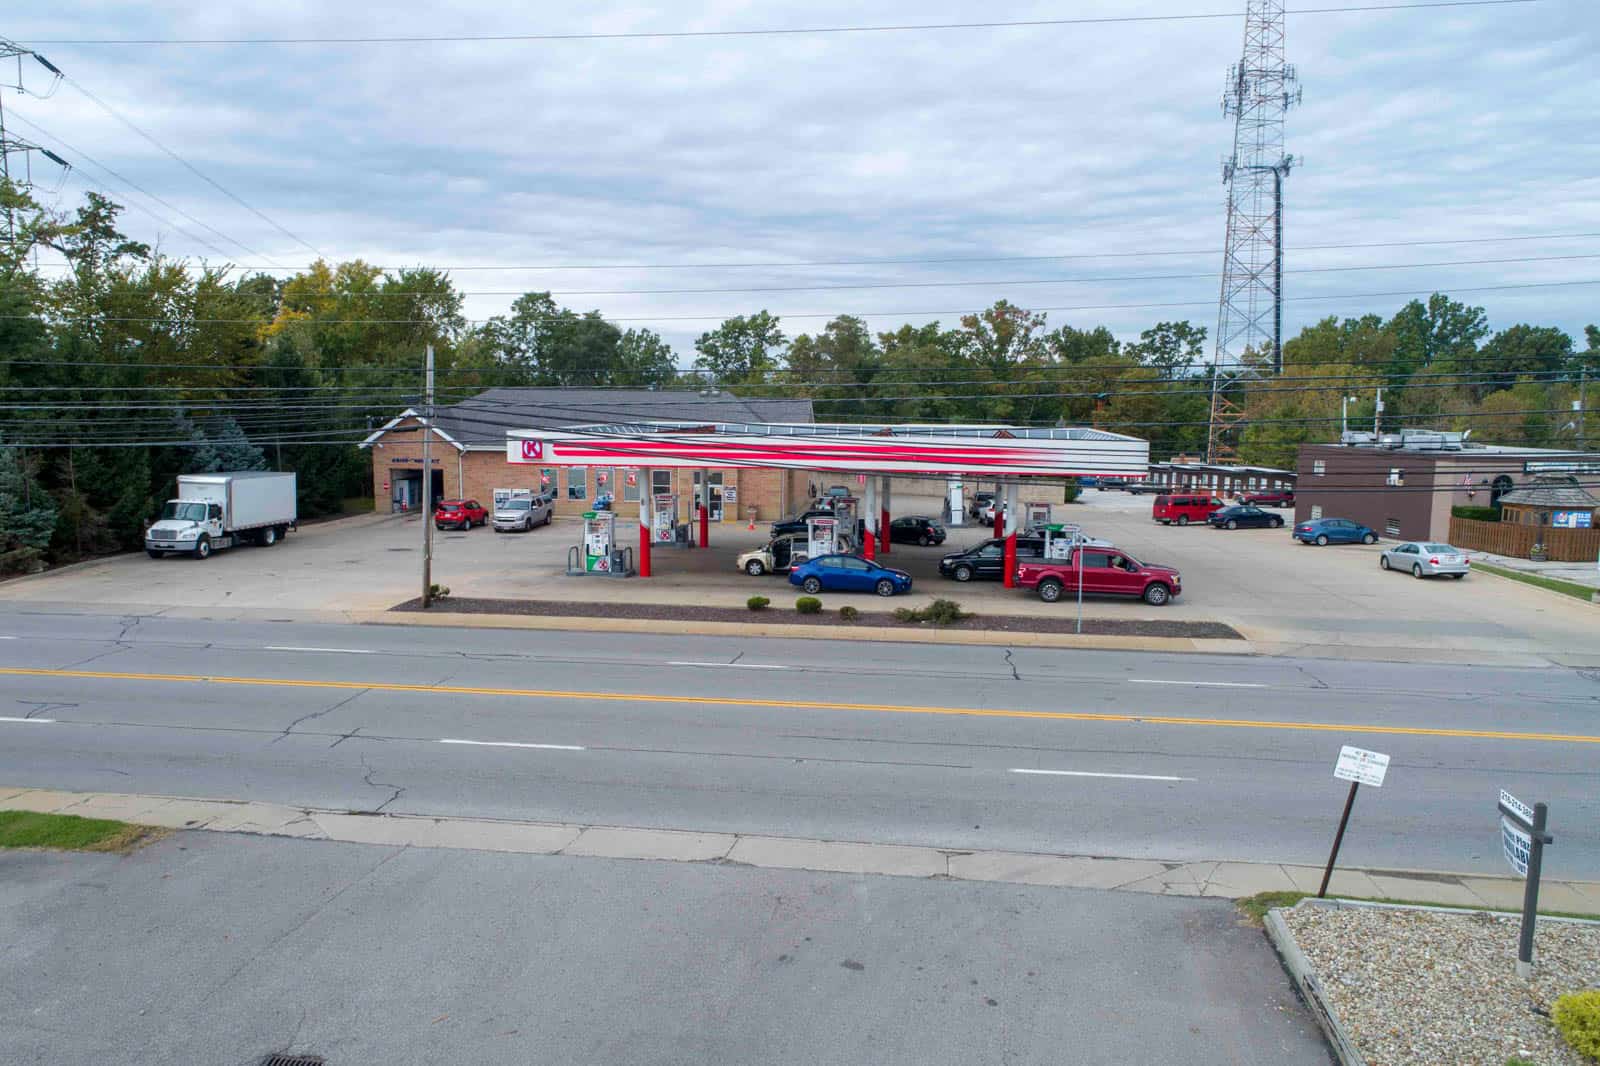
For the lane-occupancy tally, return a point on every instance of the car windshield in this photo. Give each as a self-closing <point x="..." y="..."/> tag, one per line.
<point x="516" y="505"/>
<point x="176" y="511"/>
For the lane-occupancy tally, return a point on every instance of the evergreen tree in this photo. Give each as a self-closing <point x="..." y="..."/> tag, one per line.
<point x="27" y="513"/>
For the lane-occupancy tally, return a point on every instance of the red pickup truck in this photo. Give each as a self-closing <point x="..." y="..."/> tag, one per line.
<point x="1106" y="572"/>
<point x="1284" y="498"/>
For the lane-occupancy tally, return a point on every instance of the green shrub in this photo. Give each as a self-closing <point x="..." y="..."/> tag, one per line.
<point x="1478" y="514"/>
<point x="808" y="605"/>
<point x="1074" y="490"/>
<point x="848" y="613"/>
<point x="1577" y="1015"/>
<point x="939" y="612"/>
<point x="757" y="603"/>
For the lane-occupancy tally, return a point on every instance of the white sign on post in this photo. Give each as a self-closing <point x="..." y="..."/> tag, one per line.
<point x="1361" y="766"/>
<point x="1518" y="845"/>
<point x="1511" y="802"/>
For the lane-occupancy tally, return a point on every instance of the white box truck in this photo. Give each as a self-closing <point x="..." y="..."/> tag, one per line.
<point x="215" y="511"/>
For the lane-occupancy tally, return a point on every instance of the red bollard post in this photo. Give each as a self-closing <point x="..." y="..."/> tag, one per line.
<point x="883" y="528"/>
<point x="705" y="526"/>
<point x="644" y="550"/>
<point x="1010" y="562"/>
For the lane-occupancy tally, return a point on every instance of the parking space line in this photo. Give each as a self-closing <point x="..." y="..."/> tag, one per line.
<point x="1091" y="773"/>
<point x="729" y="666"/>
<point x="335" y="651"/>
<point x="1201" y="684"/>
<point x="45" y="721"/>
<point x="513" y="744"/>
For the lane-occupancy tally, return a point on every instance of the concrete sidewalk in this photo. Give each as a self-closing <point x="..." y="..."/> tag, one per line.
<point x="1230" y="880"/>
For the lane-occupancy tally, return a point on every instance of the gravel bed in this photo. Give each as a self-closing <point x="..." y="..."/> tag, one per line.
<point x="1126" y="627"/>
<point x="1426" y="988"/>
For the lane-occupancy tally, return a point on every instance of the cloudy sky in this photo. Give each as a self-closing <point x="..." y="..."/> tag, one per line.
<point x="1093" y="141"/>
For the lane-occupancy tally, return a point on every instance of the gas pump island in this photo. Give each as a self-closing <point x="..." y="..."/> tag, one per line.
<point x="598" y="555"/>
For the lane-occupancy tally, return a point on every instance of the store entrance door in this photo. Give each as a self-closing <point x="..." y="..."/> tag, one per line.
<point x="405" y="491"/>
<point x="716" y="494"/>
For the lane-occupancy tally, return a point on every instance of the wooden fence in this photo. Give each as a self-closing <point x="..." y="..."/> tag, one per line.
<point x="1509" y="538"/>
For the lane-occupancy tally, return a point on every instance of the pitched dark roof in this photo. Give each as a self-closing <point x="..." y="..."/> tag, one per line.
<point x="1560" y="491"/>
<point x="483" y="420"/>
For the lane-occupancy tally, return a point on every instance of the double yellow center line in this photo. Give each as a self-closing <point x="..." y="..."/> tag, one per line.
<point x="813" y="705"/>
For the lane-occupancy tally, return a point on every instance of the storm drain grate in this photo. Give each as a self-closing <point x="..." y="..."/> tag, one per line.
<point x="293" y="1060"/>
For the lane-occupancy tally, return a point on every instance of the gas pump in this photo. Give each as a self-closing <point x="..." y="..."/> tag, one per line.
<point x="1059" y="540"/>
<point x="599" y="533"/>
<point x="955" y="506"/>
<point x="1037" y="514"/>
<point x="844" y="534"/>
<point x="664" y="519"/>
<point x="822" y="537"/>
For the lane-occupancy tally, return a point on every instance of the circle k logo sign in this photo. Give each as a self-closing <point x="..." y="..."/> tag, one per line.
<point x="533" y="449"/>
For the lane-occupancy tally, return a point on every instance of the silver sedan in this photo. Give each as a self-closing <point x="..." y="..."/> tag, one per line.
<point x="1421" y="559"/>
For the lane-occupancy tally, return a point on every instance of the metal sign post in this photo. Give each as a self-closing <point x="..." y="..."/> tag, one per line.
<point x="1523" y="837"/>
<point x="1359" y="767"/>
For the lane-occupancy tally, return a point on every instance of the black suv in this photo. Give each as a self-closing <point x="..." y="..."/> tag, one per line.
<point x="986" y="560"/>
<point x="916" y="529"/>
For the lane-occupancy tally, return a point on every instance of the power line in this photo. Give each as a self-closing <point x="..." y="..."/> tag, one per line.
<point x="120" y="117"/>
<point x="647" y="35"/>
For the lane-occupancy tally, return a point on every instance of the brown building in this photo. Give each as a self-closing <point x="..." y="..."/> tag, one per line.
<point x="468" y="451"/>
<point x="1186" y="474"/>
<point x="1404" y="484"/>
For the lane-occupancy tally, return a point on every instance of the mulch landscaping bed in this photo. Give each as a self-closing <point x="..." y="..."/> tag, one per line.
<point x="1119" y="627"/>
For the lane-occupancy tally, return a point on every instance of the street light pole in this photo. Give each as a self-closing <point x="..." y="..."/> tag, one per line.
<point x="426" y="506"/>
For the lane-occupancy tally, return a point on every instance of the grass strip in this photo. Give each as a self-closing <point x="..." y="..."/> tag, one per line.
<point x="1256" y="907"/>
<point x="68" y="832"/>
<point x="1566" y="588"/>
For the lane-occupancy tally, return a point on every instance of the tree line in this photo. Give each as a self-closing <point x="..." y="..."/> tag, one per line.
<point x="128" y="368"/>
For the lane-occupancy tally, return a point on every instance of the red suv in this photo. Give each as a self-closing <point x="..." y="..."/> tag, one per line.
<point x="463" y="514"/>
<point x="1106" y="572"/>
<point x="1181" y="509"/>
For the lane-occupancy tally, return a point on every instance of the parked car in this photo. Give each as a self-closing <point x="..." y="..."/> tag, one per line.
<point x="523" y="513"/>
<point x="1284" y="498"/>
<point x="1244" y="518"/>
<point x="985" y="561"/>
<point x="461" y="514"/>
<point x="848" y="573"/>
<point x="777" y="556"/>
<point x="1179" y="509"/>
<point x="1424" y="559"/>
<point x="1325" y="531"/>
<point x="979" y="501"/>
<point x="916" y="529"/>
<point x="1139" y="488"/>
<point x="1105" y="572"/>
<point x="1111" y="483"/>
<point x="797" y="524"/>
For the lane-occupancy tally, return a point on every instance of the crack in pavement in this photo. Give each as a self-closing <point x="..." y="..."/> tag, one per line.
<point x="40" y="707"/>
<point x="367" y="777"/>
<point x="1012" y="663"/>
<point x="1316" y="682"/>
<point x="318" y="714"/>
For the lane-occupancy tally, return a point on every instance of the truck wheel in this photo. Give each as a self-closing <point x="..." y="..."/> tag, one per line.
<point x="269" y="537"/>
<point x="1157" y="595"/>
<point x="1183" y="520"/>
<point x="202" y="548"/>
<point x="1050" y="590"/>
<point x="154" y="554"/>
<point x="754" y="568"/>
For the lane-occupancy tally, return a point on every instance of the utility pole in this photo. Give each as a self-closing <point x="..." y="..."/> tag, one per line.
<point x="1261" y="89"/>
<point x="426" y="506"/>
<point x="1377" y="413"/>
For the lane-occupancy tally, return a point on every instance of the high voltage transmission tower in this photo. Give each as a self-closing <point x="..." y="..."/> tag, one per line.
<point x="12" y="146"/>
<point x="1261" y="89"/>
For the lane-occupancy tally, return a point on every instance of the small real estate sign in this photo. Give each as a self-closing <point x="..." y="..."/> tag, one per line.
<point x="1361" y="766"/>
<point x="1516" y="835"/>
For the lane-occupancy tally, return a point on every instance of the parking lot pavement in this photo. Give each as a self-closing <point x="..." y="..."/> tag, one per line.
<point x="213" y="948"/>
<point x="1283" y="596"/>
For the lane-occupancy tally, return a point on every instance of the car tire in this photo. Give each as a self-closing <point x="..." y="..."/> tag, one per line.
<point x="923" y="540"/>
<point x="1322" y="540"/>
<point x="754" y="568"/>
<point x="1370" y="538"/>
<point x="1183" y="520"/>
<point x="154" y="554"/>
<point x="1276" y="523"/>
<point x="884" y="587"/>
<point x="548" y="515"/>
<point x="1416" y="571"/>
<point x="1383" y="562"/>
<point x="1050" y="590"/>
<point x="1157" y="594"/>
<point x="811" y="585"/>
<point x="267" y="537"/>
<point x="962" y="573"/>
<point x="202" y="548"/>
<point x="1458" y="577"/>
<point x="1232" y="524"/>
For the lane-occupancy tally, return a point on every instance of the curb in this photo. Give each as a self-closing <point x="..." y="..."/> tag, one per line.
<point x="876" y="634"/>
<point x="1305" y="979"/>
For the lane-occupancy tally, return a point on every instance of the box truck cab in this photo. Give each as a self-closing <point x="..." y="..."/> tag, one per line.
<point x="216" y="511"/>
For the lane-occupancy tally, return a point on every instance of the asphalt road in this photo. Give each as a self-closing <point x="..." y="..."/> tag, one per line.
<point x="1139" y="755"/>
<point x="216" y="948"/>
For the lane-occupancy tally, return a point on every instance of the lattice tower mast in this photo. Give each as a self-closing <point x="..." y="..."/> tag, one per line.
<point x="1261" y="89"/>
<point x="20" y="173"/>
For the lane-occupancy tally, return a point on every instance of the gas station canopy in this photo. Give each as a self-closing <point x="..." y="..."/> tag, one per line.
<point x="935" y="450"/>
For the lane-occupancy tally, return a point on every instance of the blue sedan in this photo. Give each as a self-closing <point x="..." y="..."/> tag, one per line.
<point x="1324" y="531"/>
<point x="848" y="573"/>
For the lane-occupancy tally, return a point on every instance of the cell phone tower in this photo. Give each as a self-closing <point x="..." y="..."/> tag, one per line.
<point x="1261" y="89"/>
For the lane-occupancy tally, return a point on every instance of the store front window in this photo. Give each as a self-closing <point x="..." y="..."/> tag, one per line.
<point x="577" y="482"/>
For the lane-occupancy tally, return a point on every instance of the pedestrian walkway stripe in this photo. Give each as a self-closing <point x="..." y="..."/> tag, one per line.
<point x="808" y="705"/>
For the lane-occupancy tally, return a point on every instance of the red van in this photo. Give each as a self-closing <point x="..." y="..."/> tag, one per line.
<point x="1180" y="509"/>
